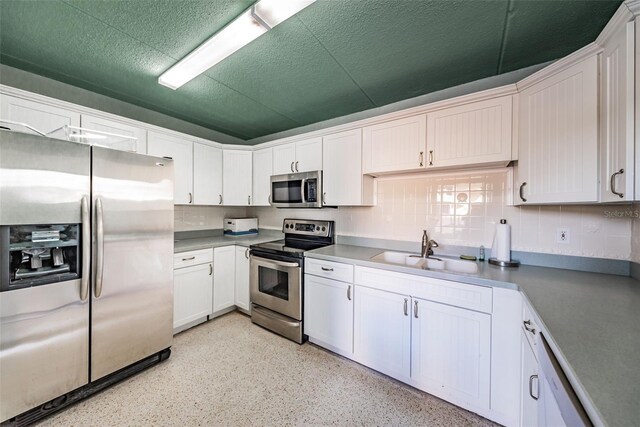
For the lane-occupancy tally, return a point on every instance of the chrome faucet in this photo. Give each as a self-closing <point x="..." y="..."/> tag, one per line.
<point x="427" y="245"/>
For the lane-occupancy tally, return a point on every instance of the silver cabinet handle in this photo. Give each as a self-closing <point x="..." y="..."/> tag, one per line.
<point x="292" y="167"/>
<point x="415" y="309"/>
<point x="522" y="191"/>
<point x="531" y="378"/>
<point x="210" y="269"/>
<point x="220" y="202"/>
<point x="248" y="200"/>
<point x="246" y="253"/>
<point x="613" y="183"/>
<point x="421" y="158"/>
<point x="349" y="292"/>
<point x="99" y="248"/>
<point x="324" y="198"/>
<point x="190" y="198"/>
<point x="406" y="307"/>
<point x="326" y="269"/>
<point x="269" y="199"/>
<point x="430" y="157"/>
<point x="527" y="326"/>
<point x="297" y="167"/>
<point x="86" y="243"/>
<point x="189" y="259"/>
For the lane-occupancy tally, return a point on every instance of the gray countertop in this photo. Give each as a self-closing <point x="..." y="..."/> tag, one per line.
<point x="591" y="318"/>
<point x="191" y="244"/>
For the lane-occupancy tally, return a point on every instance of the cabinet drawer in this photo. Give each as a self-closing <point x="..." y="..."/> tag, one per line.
<point x="473" y="297"/>
<point x="185" y="259"/>
<point x="331" y="270"/>
<point x="529" y="326"/>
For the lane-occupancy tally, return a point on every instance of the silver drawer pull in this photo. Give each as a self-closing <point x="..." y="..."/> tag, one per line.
<point x="326" y="269"/>
<point x="527" y="326"/>
<point x="189" y="259"/>
<point x="531" y="378"/>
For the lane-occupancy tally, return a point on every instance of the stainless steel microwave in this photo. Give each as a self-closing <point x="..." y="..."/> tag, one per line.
<point x="297" y="190"/>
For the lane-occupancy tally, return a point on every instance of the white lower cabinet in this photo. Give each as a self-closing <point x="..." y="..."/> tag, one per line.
<point x="328" y="313"/>
<point x="242" y="300"/>
<point x="530" y="385"/>
<point x="382" y="331"/>
<point x="224" y="278"/>
<point x="192" y="288"/>
<point x="451" y="352"/>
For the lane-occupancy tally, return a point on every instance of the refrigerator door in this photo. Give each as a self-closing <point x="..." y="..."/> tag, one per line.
<point x="132" y="295"/>
<point x="44" y="330"/>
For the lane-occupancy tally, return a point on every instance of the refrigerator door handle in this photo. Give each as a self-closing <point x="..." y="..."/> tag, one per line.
<point x="99" y="248"/>
<point x="86" y="242"/>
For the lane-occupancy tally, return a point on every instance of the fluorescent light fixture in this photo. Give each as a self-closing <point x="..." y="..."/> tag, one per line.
<point x="250" y="25"/>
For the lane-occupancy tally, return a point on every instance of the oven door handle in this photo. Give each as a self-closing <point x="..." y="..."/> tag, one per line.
<point x="302" y="188"/>
<point x="274" y="316"/>
<point x="277" y="263"/>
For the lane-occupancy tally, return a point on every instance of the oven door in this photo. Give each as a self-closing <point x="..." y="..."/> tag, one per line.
<point x="277" y="285"/>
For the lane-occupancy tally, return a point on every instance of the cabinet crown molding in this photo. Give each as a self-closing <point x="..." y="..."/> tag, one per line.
<point x="560" y="65"/>
<point x="633" y="6"/>
<point x="624" y="14"/>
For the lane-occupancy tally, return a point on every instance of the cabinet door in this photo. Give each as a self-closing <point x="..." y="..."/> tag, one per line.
<point x="382" y="331"/>
<point x="262" y="171"/>
<point x="242" y="278"/>
<point x="398" y="145"/>
<point x="342" y="174"/>
<point x="558" y="138"/>
<point x="451" y="353"/>
<point x="323" y="296"/>
<point x="476" y="133"/>
<point x="207" y="175"/>
<point x="115" y="127"/>
<point x="616" y="117"/>
<point x="284" y="159"/>
<point x="308" y="155"/>
<point x="44" y="118"/>
<point x="236" y="177"/>
<point x="530" y="386"/>
<point x="192" y="293"/>
<point x="181" y="152"/>
<point x="224" y="277"/>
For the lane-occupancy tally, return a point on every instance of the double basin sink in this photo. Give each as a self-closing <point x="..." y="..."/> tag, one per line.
<point x="431" y="263"/>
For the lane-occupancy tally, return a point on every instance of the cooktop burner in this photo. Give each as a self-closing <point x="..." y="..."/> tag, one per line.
<point x="301" y="235"/>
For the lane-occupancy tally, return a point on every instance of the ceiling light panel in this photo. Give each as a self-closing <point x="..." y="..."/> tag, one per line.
<point x="250" y="25"/>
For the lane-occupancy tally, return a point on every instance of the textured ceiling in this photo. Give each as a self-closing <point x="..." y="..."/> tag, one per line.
<point x="334" y="58"/>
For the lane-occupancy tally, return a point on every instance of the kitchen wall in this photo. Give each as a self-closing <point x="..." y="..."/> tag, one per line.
<point x="190" y="218"/>
<point x="635" y="235"/>
<point x="463" y="208"/>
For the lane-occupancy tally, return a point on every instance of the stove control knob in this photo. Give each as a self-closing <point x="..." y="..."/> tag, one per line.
<point x="317" y="228"/>
<point x="324" y="228"/>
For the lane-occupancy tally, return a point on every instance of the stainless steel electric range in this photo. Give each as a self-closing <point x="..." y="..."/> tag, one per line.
<point x="277" y="276"/>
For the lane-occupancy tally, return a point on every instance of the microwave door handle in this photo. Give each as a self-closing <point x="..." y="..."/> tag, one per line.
<point x="302" y="188"/>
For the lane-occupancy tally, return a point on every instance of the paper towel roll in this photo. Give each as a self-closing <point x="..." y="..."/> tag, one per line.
<point x="501" y="249"/>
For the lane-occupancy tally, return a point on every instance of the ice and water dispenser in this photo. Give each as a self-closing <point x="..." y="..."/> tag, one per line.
<point x="33" y="255"/>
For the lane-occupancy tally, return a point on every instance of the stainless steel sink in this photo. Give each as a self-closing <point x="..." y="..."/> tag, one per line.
<point x="436" y="263"/>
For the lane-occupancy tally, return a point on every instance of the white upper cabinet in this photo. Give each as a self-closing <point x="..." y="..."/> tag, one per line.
<point x="343" y="182"/>
<point x="237" y="177"/>
<point x="617" y="116"/>
<point x="207" y="175"/>
<point x="301" y="156"/>
<point x="284" y="159"/>
<point x="558" y="136"/>
<point x="181" y="151"/>
<point x="470" y="134"/>
<point x="117" y="128"/>
<point x="262" y="171"/>
<point x="308" y="155"/>
<point x="395" y="146"/>
<point x="42" y="117"/>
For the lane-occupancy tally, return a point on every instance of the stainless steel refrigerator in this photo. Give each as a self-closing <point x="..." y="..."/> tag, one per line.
<point x="86" y="270"/>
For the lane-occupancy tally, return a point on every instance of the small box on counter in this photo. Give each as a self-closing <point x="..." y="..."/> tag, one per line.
<point x="240" y="226"/>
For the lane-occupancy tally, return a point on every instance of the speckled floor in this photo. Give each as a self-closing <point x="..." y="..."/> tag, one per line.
<point x="230" y="372"/>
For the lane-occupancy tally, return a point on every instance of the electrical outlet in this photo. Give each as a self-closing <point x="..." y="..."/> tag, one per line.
<point x="563" y="235"/>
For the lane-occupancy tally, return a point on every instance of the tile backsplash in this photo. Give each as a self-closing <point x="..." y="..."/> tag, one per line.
<point x="635" y="234"/>
<point x="189" y="218"/>
<point x="462" y="209"/>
